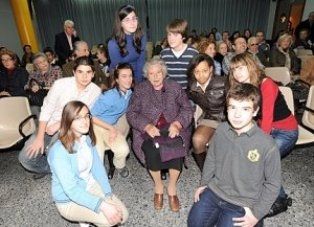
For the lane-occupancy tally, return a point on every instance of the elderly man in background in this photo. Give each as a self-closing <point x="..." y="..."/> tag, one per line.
<point x="64" y="41"/>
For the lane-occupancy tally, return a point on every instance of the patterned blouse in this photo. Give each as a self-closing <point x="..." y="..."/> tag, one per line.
<point x="47" y="79"/>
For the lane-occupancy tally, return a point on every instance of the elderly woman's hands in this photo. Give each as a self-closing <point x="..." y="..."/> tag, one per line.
<point x="152" y="130"/>
<point x="174" y="129"/>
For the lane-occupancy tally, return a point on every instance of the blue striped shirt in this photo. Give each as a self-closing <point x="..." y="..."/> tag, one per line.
<point x="177" y="66"/>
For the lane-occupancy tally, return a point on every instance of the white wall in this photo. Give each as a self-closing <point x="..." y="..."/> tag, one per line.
<point x="8" y="32"/>
<point x="309" y="7"/>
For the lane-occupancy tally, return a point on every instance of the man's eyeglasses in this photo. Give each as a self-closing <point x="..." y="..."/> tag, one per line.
<point x="254" y="44"/>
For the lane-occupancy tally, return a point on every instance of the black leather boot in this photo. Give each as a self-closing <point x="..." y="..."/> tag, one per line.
<point x="200" y="159"/>
<point x="111" y="166"/>
<point x="279" y="206"/>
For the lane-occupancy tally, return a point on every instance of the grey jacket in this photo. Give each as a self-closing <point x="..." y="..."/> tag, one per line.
<point x="243" y="169"/>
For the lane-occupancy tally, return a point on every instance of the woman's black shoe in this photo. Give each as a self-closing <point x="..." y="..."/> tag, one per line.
<point x="111" y="166"/>
<point x="163" y="174"/>
<point x="111" y="173"/>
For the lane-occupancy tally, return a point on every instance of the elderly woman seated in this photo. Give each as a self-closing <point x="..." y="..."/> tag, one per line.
<point x="160" y="108"/>
<point x="44" y="73"/>
<point x="283" y="56"/>
<point x="41" y="80"/>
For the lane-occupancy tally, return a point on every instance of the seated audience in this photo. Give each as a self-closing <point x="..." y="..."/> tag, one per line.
<point x="211" y="36"/>
<point x="247" y="34"/>
<point x="253" y="49"/>
<point x="103" y="60"/>
<point x="33" y="156"/>
<point x="222" y="50"/>
<point x="36" y="94"/>
<point x="110" y="125"/>
<point x="242" y="174"/>
<point x="51" y="57"/>
<point x="275" y="118"/>
<point x="225" y="38"/>
<point x="80" y="187"/>
<point x="160" y="111"/>
<point x="303" y="41"/>
<point x="208" y="47"/>
<point x="12" y="77"/>
<point x="28" y="55"/>
<point x="307" y="24"/>
<point x="234" y="35"/>
<point x="239" y="46"/>
<point x="283" y="56"/>
<point x="208" y="92"/>
<point x="160" y="46"/>
<point x="218" y="36"/>
<point x="44" y="73"/>
<point x="80" y="50"/>
<point x="263" y="46"/>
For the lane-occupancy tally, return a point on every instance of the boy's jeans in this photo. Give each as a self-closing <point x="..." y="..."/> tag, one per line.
<point x="285" y="141"/>
<point x="211" y="210"/>
<point x="38" y="164"/>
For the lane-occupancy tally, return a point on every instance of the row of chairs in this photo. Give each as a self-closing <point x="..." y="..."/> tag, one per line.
<point x="17" y="122"/>
<point x="306" y="129"/>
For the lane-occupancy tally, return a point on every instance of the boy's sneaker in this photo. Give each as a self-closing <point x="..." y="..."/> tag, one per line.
<point x="124" y="172"/>
<point x="279" y="206"/>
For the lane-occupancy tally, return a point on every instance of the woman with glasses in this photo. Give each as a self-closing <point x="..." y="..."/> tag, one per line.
<point x="253" y="46"/>
<point x="12" y="77"/>
<point x="128" y="42"/>
<point x="80" y="187"/>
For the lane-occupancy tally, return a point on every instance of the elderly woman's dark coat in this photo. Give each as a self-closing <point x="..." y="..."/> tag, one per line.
<point x="145" y="108"/>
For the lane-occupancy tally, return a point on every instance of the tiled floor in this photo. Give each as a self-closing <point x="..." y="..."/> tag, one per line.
<point x="26" y="202"/>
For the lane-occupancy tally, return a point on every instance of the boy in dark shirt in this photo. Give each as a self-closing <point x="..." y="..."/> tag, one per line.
<point x="242" y="173"/>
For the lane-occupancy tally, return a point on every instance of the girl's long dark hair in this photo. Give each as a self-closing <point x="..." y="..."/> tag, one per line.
<point x="69" y="113"/>
<point x="119" y="35"/>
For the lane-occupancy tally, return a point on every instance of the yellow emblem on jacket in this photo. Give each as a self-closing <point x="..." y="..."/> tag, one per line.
<point x="253" y="155"/>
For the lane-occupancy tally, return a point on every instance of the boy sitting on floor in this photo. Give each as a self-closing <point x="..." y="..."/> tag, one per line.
<point x="242" y="173"/>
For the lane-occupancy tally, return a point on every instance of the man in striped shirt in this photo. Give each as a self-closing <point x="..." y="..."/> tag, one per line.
<point x="178" y="55"/>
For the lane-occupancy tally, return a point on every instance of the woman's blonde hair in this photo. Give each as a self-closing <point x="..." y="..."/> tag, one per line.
<point x="246" y="59"/>
<point x="283" y="37"/>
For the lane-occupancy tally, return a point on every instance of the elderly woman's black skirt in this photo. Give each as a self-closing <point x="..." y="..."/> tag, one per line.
<point x="153" y="160"/>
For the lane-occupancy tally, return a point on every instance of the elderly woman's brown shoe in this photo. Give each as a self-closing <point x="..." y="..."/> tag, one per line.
<point x="158" y="201"/>
<point x="174" y="203"/>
